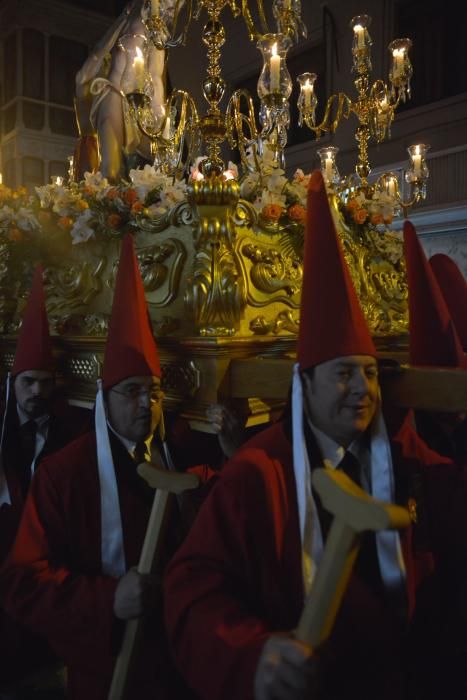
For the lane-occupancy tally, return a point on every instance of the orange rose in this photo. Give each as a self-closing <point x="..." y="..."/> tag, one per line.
<point x="65" y="222"/>
<point x="82" y="204"/>
<point x="137" y="208"/>
<point x="360" y="216"/>
<point x="88" y="191"/>
<point x="44" y="217"/>
<point x="376" y="219"/>
<point x="14" y="234"/>
<point x="113" y="193"/>
<point x="272" y="212"/>
<point x="388" y="219"/>
<point x="114" y="220"/>
<point x="130" y="196"/>
<point x="352" y="204"/>
<point x="297" y="213"/>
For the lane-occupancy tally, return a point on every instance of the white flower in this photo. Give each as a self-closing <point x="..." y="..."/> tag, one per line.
<point x="45" y="195"/>
<point x="7" y="214"/>
<point x="64" y="201"/>
<point x="276" y="182"/>
<point x="95" y="181"/>
<point x="267" y="198"/>
<point x="146" y="179"/>
<point x="172" y="194"/>
<point x="249" y="185"/>
<point x="81" y="232"/>
<point x="26" y="220"/>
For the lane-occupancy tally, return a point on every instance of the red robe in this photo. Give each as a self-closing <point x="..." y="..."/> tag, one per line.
<point x="238" y="577"/>
<point x="53" y="580"/>
<point x="21" y="652"/>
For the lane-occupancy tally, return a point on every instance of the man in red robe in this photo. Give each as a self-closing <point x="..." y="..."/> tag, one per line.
<point x="438" y="337"/>
<point x="71" y="575"/>
<point x="36" y="422"/>
<point x="235" y="590"/>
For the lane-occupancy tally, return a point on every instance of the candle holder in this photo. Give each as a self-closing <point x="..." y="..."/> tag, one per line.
<point x="307" y="100"/>
<point x="136" y="77"/>
<point x="274" y="90"/>
<point x="361" y="44"/>
<point x="401" y="70"/>
<point x="417" y="174"/>
<point x="328" y="165"/>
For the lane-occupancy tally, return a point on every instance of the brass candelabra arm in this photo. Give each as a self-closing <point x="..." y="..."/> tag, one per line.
<point x="329" y="122"/>
<point x="175" y="141"/>
<point x="287" y="16"/>
<point x="241" y="129"/>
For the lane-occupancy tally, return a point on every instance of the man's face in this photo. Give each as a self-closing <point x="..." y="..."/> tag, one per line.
<point x="33" y="390"/>
<point x="134" y="407"/>
<point x="342" y="396"/>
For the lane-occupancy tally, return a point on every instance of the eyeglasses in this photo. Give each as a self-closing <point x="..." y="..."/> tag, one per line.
<point x="132" y="393"/>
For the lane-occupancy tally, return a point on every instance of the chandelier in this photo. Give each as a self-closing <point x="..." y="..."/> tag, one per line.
<point x="374" y="108"/>
<point x="178" y="134"/>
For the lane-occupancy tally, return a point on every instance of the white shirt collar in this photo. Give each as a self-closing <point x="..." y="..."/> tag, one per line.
<point x="130" y="445"/>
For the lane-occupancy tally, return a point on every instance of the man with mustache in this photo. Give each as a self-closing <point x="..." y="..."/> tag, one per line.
<point x="71" y="575"/>
<point x="235" y="590"/>
<point x="36" y="422"/>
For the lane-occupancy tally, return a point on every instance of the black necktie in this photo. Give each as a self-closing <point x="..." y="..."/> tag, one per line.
<point x="26" y="453"/>
<point x="367" y="565"/>
<point x="350" y="465"/>
<point x="140" y="453"/>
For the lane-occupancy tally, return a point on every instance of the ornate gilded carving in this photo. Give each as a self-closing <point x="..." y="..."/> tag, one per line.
<point x="166" y="325"/>
<point x="215" y="291"/>
<point x="260" y="326"/>
<point x="85" y="369"/>
<point x="285" y="321"/>
<point x="377" y="268"/>
<point x="181" y="379"/>
<point x="273" y="271"/>
<point x="79" y="325"/>
<point x="69" y="287"/>
<point x="179" y="215"/>
<point x="161" y="266"/>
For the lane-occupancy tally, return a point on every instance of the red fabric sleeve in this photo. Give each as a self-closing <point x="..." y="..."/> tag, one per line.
<point x="216" y="639"/>
<point x="73" y="611"/>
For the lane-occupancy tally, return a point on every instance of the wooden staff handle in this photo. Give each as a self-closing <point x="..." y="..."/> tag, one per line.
<point x="354" y="512"/>
<point x="166" y="482"/>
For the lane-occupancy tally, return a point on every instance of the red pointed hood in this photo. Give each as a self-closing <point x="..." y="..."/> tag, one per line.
<point x="454" y="290"/>
<point x="332" y="323"/>
<point x="433" y="338"/>
<point x="34" y="346"/>
<point x="131" y="348"/>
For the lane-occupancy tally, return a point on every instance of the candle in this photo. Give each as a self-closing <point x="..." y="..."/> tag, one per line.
<point x="275" y="70"/>
<point x="166" y="132"/>
<point x="138" y="69"/>
<point x="360" y="34"/>
<point x="392" y="187"/>
<point x="328" y="169"/>
<point x="1" y="179"/>
<point x="155" y="8"/>
<point x="417" y="164"/>
<point x="398" y="63"/>
<point x="307" y="93"/>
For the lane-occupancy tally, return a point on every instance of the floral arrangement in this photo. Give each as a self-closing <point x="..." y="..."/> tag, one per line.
<point x="277" y="200"/>
<point x="96" y="208"/>
<point x="379" y="210"/>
